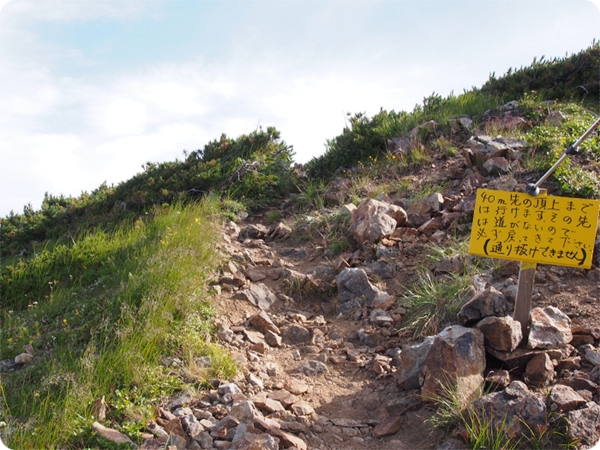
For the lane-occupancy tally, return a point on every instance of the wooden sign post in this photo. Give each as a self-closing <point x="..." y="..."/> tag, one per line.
<point x="533" y="229"/>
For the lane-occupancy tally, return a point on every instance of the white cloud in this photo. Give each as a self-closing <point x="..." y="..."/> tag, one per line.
<point x="122" y="116"/>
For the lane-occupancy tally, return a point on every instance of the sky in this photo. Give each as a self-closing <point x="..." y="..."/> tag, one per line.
<point x="90" y="90"/>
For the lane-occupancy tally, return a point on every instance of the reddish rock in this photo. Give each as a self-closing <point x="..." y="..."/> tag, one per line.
<point x="584" y="425"/>
<point x="457" y="357"/>
<point x="388" y="427"/>
<point x="572" y="363"/>
<point x="540" y="370"/>
<point x="497" y="380"/>
<point x="490" y="302"/>
<point x="254" y="274"/>
<point x="564" y="399"/>
<point x="272" y="406"/>
<point x="581" y="339"/>
<point x="274" y="340"/>
<point x="501" y="333"/>
<point x="302" y="408"/>
<point x="263" y="323"/>
<point x="289" y="440"/>
<point x="284" y="397"/>
<point x="295" y="386"/>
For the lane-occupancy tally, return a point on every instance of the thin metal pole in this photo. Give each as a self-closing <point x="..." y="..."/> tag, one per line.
<point x="532" y="189"/>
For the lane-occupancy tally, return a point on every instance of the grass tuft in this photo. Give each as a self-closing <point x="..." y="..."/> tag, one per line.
<point x="433" y="303"/>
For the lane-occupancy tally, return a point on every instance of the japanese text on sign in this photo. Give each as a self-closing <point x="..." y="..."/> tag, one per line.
<point x="543" y="229"/>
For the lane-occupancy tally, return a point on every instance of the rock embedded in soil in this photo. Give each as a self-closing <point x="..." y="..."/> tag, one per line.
<point x="388" y="427"/>
<point x="259" y="295"/>
<point x="313" y="368"/>
<point x="296" y="334"/>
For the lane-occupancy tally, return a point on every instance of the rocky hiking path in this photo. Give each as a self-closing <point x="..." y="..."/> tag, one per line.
<point x="285" y="333"/>
<point x="326" y="362"/>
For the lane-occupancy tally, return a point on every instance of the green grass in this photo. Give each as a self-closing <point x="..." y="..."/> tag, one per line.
<point x="549" y="144"/>
<point x="433" y="303"/>
<point x="105" y="315"/>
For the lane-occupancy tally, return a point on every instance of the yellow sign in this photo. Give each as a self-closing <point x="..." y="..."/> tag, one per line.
<point x="542" y="229"/>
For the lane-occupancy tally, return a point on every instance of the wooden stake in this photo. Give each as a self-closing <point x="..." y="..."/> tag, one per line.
<point x="524" y="291"/>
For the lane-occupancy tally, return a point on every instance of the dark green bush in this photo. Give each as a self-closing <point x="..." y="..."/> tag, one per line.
<point x="573" y="77"/>
<point x="253" y="168"/>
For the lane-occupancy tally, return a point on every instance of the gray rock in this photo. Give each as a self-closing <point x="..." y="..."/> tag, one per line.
<point x="259" y="295"/>
<point x="411" y="363"/>
<point x="354" y="290"/>
<point x="490" y="302"/>
<point x="382" y="269"/>
<point x="313" y="368"/>
<point x="516" y="409"/>
<point x="296" y="334"/>
<point x="373" y="220"/>
<point x="205" y="441"/>
<point x="550" y="328"/>
<point x="244" y="411"/>
<point x="380" y="317"/>
<point x="229" y="388"/>
<point x="249" y="438"/>
<point x="191" y="425"/>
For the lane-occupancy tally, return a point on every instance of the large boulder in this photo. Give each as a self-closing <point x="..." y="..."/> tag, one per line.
<point x="373" y="220"/>
<point x="456" y="359"/>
